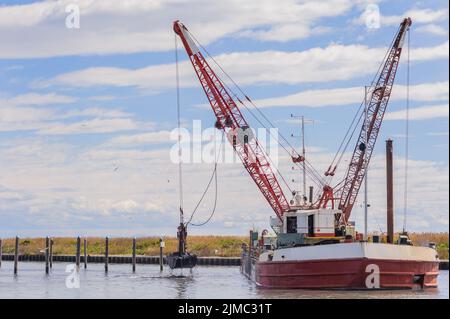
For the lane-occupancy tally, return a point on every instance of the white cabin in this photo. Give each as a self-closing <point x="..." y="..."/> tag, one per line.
<point x="311" y="222"/>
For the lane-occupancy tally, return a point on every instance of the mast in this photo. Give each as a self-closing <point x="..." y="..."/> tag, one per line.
<point x="304" y="156"/>
<point x="303" y="149"/>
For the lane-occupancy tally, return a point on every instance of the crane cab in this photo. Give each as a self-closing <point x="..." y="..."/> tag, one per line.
<point x="311" y="223"/>
<point x="304" y="227"/>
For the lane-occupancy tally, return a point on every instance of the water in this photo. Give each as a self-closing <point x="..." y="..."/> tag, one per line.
<point x="204" y="282"/>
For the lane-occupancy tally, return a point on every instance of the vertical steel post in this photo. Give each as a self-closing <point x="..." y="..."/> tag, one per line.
<point x="390" y="191"/>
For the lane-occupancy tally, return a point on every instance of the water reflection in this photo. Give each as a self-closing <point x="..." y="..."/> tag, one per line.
<point x="148" y="282"/>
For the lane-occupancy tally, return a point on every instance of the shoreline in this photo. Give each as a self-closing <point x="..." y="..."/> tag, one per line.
<point x="203" y="246"/>
<point x="127" y="259"/>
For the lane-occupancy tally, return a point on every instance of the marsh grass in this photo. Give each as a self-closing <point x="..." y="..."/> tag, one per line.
<point x="220" y="246"/>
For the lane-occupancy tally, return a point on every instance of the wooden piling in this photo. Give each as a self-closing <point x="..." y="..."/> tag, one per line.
<point x="106" y="253"/>
<point x="1" y="252"/>
<point x="85" y="252"/>
<point x="134" y="255"/>
<point x="161" y="259"/>
<point x="51" y="253"/>
<point x="77" y="258"/>
<point x="16" y="255"/>
<point x="47" y="255"/>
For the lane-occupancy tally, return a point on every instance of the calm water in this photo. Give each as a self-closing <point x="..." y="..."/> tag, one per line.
<point x="147" y="282"/>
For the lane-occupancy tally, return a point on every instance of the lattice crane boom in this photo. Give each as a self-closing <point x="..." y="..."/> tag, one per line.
<point x="230" y="119"/>
<point x="375" y="111"/>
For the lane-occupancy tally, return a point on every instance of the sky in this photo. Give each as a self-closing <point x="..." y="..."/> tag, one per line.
<point x="87" y="110"/>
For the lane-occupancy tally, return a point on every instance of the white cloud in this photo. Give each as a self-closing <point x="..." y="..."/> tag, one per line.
<point x="102" y="98"/>
<point x="438" y="133"/>
<point x="438" y="91"/>
<point x="143" y="190"/>
<point x="96" y="125"/>
<point x="146" y="25"/>
<point x="51" y="121"/>
<point x="418" y="16"/>
<point x="37" y="99"/>
<point x="94" y="112"/>
<point x="159" y="137"/>
<point x="420" y="113"/>
<point x="433" y="29"/>
<point x="430" y="53"/>
<point x="332" y="63"/>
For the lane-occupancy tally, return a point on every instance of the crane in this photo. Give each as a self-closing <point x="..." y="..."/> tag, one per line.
<point x="230" y="119"/>
<point x="374" y="114"/>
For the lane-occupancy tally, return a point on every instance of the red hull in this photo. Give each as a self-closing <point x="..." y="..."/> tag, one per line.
<point x="344" y="273"/>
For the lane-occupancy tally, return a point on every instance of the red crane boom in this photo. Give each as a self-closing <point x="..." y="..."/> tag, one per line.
<point x="375" y="111"/>
<point x="231" y="121"/>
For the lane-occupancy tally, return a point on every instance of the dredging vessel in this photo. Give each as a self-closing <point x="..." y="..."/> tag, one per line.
<point x="316" y="245"/>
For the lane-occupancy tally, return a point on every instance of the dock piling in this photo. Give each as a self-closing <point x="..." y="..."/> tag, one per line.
<point x="77" y="258"/>
<point x="134" y="255"/>
<point x="85" y="252"/>
<point x="161" y="258"/>
<point x="1" y="251"/>
<point x="47" y="255"/>
<point x="16" y="255"/>
<point x="106" y="253"/>
<point x="51" y="253"/>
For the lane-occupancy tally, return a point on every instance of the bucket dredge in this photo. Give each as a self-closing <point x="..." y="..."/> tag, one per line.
<point x="181" y="258"/>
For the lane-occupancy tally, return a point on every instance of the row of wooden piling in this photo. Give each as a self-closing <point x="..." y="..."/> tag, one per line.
<point x="48" y="256"/>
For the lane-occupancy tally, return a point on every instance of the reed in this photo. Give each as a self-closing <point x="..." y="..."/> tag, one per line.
<point x="220" y="246"/>
<point x="205" y="246"/>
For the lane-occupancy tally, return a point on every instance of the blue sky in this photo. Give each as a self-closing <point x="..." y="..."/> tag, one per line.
<point x="85" y="113"/>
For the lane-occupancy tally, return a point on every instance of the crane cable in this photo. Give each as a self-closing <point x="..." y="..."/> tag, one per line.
<point x="235" y="95"/>
<point x="213" y="175"/>
<point x="405" y="194"/>
<point x="180" y="167"/>
<point x="315" y="176"/>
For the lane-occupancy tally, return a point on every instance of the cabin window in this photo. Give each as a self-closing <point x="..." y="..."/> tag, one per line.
<point x="291" y="224"/>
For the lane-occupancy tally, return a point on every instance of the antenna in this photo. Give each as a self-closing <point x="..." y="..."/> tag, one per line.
<point x="303" y="121"/>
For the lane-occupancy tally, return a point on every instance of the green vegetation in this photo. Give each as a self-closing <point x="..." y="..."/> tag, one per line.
<point x="440" y="239"/>
<point x="221" y="246"/>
